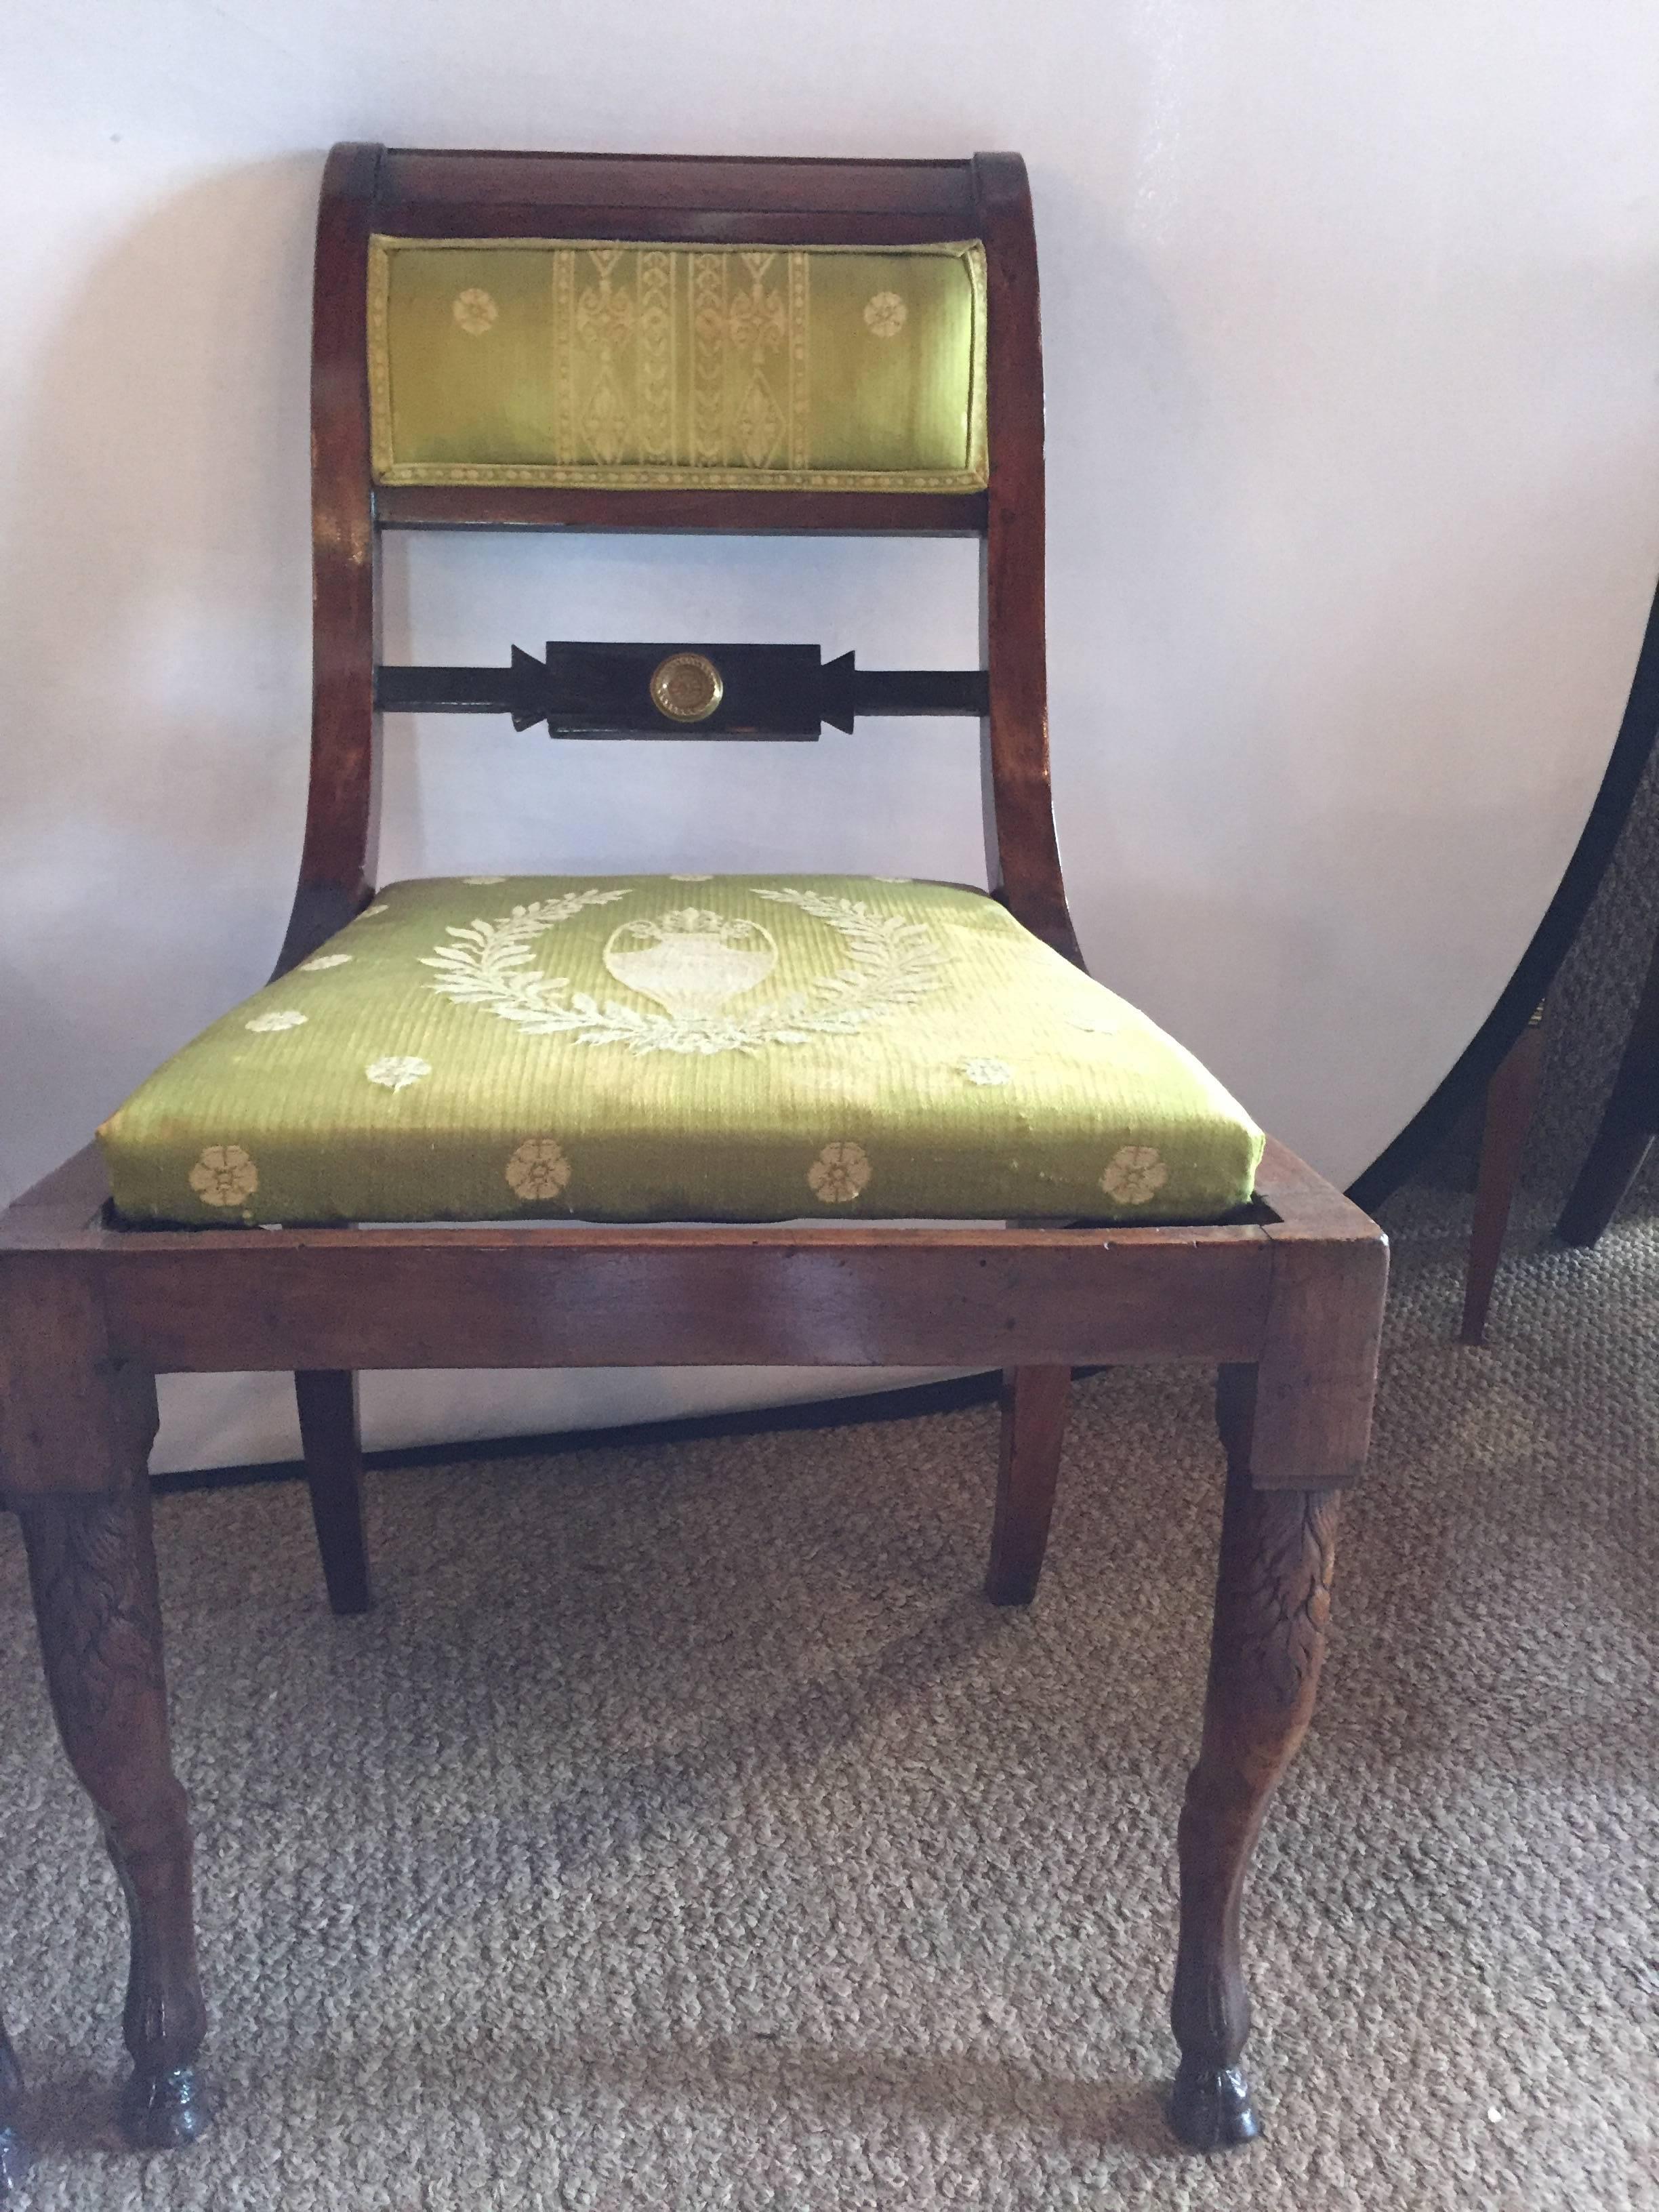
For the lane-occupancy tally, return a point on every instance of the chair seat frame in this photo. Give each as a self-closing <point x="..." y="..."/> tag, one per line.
<point x="1284" y="1299"/>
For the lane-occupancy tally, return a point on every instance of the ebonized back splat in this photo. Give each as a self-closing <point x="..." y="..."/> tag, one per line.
<point x="592" y="690"/>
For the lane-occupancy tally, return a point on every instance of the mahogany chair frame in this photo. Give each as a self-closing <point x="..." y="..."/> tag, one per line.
<point x="1285" y="1297"/>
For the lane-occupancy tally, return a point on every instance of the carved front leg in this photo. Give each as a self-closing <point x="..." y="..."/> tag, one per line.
<point x="92" y="1567"/>
<point x="1273" y="1599"/>
<point x="14" y="2151"/>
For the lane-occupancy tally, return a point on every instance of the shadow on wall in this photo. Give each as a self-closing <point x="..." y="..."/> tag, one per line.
<point x="155" y="577"/>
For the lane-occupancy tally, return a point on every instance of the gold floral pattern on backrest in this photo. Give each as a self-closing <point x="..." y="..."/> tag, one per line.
<point x="760" y="328"/>
<point x="615" y="363"/>
<point x="656" y="357"/>
<point x="614" y="357"/>
<point x="604" y="326"/>
<point x="475" y="311"/>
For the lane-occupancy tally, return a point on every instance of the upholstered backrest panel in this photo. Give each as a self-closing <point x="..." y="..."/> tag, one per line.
<point x="616" y="365"/>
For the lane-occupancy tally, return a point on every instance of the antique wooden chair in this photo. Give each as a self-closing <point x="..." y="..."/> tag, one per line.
<point x="577" y="341"/>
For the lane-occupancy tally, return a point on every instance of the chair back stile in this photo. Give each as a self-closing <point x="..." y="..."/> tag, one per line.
<point x="370" y="192"/>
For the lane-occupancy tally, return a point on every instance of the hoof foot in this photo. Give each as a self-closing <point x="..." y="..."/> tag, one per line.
<point x="163" y="2112"/>
<point x="14" y="2162"/>
<point x="1210" y="2107"/>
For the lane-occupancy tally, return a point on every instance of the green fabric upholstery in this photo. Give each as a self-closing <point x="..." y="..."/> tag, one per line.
<point x="680" y="1048"/>
<point x="557" y="362"/>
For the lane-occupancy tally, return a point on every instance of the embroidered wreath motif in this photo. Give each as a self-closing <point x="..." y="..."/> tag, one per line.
<point x="891" y="963"/>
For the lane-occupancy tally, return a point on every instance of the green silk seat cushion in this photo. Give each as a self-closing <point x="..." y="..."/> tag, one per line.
<point x="680" y="1048"/>
<point x="561" y="362"/>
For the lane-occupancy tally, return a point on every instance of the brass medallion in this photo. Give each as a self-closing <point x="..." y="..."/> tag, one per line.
<point x="686" y="688"/>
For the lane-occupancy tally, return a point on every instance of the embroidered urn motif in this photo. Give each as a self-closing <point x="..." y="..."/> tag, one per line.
<point x="691" y="962"/>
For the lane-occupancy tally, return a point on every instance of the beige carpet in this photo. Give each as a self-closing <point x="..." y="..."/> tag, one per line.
<point x="684" y="1832"/>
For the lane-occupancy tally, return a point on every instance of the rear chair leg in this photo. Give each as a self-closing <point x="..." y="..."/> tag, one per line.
<point x="14" y="2151"/>
<point x="1512" y="1098"/>
<point x="1034" y="1406"/>
<point x="334" y="1470"/>
<point x="1626" y="1136"/>
<point x="1273" y="1601"/>
<point x="91" y="1568"/>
